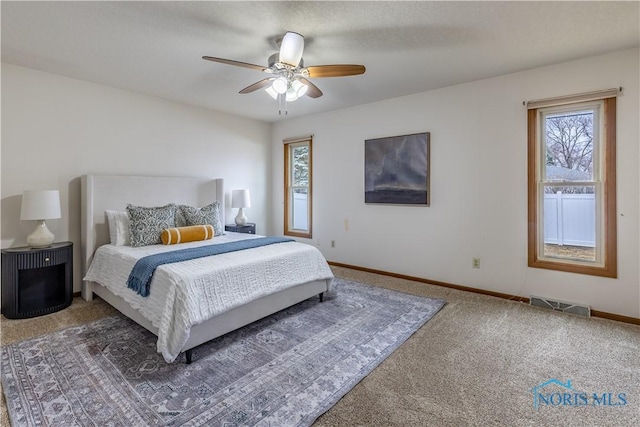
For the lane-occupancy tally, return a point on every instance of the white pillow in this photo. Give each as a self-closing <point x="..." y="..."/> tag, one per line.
<point x="118" y="228"/>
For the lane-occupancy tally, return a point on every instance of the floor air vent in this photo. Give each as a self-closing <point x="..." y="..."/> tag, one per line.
<point x="566" y="307"/>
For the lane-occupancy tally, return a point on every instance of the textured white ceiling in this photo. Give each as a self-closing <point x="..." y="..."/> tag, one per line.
<point x="407" y="47"/>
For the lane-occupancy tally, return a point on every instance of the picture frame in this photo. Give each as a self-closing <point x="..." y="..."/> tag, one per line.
<point x="397" y="170"/>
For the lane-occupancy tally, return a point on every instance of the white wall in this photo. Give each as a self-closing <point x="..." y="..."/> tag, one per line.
<point x="55" y="129"/>
<point x="478" y="184"/>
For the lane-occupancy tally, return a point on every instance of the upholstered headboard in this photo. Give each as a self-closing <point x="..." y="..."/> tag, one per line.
<point x="113" y="192"/>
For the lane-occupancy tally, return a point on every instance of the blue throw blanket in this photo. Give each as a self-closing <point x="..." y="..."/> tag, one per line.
<point x="140" y="276"/>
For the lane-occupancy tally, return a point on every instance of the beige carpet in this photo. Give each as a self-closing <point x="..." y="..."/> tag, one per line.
<point x="475" y="363"/>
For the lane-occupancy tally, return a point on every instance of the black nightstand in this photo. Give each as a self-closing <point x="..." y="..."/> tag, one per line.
<point x="36" y="281"/>
<point x="249" y="228"/>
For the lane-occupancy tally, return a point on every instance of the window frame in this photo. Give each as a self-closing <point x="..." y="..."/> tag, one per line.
<point x="289" y="145"/>
<point x="604" y="179"/>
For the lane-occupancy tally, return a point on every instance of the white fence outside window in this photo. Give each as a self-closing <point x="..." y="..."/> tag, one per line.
<point x="300" y="216"/>
<point x="569" y="219"/>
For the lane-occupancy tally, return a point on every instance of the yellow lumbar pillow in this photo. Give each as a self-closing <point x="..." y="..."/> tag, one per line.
<point x="172" y="236"/>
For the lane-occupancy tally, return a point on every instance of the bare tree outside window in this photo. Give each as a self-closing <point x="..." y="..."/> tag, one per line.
<point x="570" y="141"/>
<point x="569" y="150"/>
<point x="301" y="167"/>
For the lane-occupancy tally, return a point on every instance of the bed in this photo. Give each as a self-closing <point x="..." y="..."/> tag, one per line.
<point x="272" y="277"/>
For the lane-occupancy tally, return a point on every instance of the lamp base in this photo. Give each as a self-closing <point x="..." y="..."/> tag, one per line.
<point x="241" y="219"/>
<point x="41" y="236"/>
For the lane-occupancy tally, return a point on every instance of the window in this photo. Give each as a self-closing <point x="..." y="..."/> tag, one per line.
<point x="297" y="188"/>
<point x="572" y="189"/>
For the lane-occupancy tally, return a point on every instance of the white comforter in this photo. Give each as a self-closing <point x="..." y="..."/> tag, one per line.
<point x="188" y="293"/>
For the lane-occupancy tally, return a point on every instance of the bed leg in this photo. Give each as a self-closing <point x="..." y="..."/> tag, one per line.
<point x="321" y="295"/>
<point x="189" y="354"/>
<point x="87" y="291"/>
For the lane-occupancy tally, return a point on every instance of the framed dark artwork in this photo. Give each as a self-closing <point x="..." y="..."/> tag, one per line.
<point x="396" y="170"/>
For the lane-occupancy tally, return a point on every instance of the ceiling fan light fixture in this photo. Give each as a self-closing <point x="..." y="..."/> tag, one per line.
<point x="280" y="84"/>
<point x="299" y="87"/>
<point x="292" y="95"/>
<point x="291" y="49"/>
<point x="271" y="91"/>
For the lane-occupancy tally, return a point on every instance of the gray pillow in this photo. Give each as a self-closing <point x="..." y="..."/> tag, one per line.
<point x="146" y="224"/>
<point x="210" y="214"/>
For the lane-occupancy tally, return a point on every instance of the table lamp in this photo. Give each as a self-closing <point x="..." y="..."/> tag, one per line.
<point x="40" y="205"/>
<point x="240" y="199"/>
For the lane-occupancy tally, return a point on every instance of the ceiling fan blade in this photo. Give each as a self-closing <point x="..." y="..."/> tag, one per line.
<point x="236" y="63"/>
<point x="337" y="70"/>
<point x="313" y="90"/>
<point x="258" y="85"/>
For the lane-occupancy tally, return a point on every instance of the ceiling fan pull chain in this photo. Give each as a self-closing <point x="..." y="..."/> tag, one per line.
<point x="282" y="104"/>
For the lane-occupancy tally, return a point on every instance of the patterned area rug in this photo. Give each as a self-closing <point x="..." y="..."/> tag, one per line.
<point x="284" y="370"/>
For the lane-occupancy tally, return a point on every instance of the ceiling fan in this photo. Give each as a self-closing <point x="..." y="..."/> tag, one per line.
<point x="288" y="77"/>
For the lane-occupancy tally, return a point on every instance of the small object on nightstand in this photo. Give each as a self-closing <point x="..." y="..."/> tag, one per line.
<point x="36" y="281"/>
<point x="40" y="205"/>
<point x="240" y="199"/>
<point x="249" y="228"/>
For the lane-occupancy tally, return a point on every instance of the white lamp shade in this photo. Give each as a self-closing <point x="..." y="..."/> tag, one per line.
<point x="272" y="92"/>
<point x="300" y="88"/>
<point x="291" y="49"/>
<point x="240" y="199"/>
<point x="280" y="85"/>
<point x="291" y="95"/>
<point x="40" y="204"/>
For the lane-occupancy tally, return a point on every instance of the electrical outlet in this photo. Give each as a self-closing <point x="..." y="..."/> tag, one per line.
<point x="475" y="263"/>
<point x="333" y="243"/>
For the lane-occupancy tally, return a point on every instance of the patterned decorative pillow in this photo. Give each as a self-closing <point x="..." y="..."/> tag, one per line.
<point x="180" y="219"/>
<point x="146" y="224"/>
<point x="209" y="214"/>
